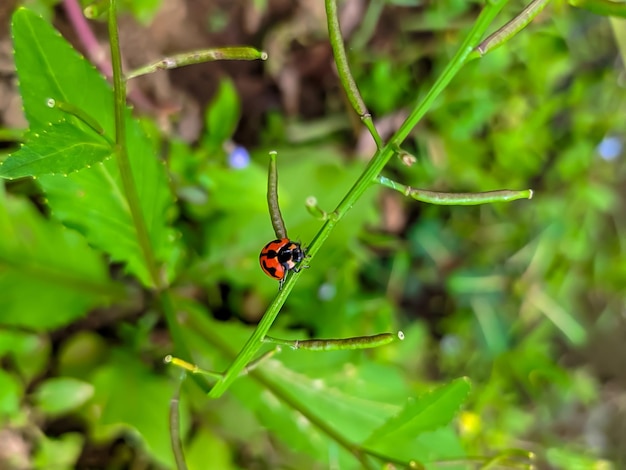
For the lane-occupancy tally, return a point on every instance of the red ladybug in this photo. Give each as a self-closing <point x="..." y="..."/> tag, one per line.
<point x="280" y="256"/>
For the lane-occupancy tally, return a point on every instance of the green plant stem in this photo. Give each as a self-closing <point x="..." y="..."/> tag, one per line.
<point x="272" y="199"/>
<point x="511" y="28"/>
<point x="368" y="177"/>
<point x="177" y="445"/>
<point x="198" y="57"/>
<point x="357" y="342"/>
<point x="82" y="116"/>
<point x="123" y="162"/>
<point x="456" y="199"/>
<point x="343" y="68"/>
<point x="201" y="326"/>
<point x="130" y="191"/>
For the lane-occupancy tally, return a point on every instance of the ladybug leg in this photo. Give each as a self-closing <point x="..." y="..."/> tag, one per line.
<point x="280" y="283"/>
<point x="297" y="270"/>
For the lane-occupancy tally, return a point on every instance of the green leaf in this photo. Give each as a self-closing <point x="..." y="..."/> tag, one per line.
<point x="49" y="276"/>
<point x="428" y="413"/>
<point x="60" y="148"/>
<point x="62" y="394"/>
<point x="58" y="453"/>
<point x="91" y="200"/>
<point x="222" y="115"/>
<point x="29" y="352"/>
<point x="209" y="451"/>
<point x="10" y="394"/>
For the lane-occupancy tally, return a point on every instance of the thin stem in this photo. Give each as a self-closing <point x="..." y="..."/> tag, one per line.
<point x="177" y="445"/>
<point x="198" y="57"/>
<point x="82" y="116"/>
<point x="123" y="162"/>
<point x="199" y="324"/>
<point x="456" y="199"/>
<point x="314" y="209"/>
<point x="87" y="37"/>
<point x="357" y="342"/>
<point x="130" y="191"/>
<point x="93" y="49"/>
<point x="368" y="177"/>
<point x="272" y="199"/>
<point x="513" y="27"/>
<point x="343" y="69"/>
<point x="192" y="368"/>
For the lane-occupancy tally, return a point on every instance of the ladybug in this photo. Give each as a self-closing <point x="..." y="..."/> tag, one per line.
<point x="280" y="256"/>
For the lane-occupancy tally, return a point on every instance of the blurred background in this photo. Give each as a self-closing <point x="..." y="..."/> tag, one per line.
<point x="524" y="298"/>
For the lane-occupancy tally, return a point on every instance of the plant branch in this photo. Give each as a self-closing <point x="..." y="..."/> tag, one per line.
<point x="510" y="29"/>
<point x="177" y="445"/>
<point x="343" y="69"/>
<point x="357" y="342"/>
<point x="200" y="325"/>
<point x="456" y="199"/>
<point x="368" y="177"/>
<point x="130" y="191"/>
<point x="123" y="162"/>
<point x="198" y="57"/>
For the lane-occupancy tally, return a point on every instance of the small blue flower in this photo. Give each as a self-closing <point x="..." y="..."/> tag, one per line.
<point x="239" y="157"/>
<point x="610" y="148"/>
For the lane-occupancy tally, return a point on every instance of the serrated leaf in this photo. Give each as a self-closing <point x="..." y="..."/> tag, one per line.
<point x="49" y="276"/>
<point x="426" y="413"/>
<point x="61" y="148"/>
<point x="62" y="394"/>
<point x="92" y="200"/>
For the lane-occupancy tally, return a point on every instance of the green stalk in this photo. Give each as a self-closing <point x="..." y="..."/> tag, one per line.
<point x="272" y="199"/>
<point x="368" y="177"/>
<point x="347" y="80"/>
<point x="126" y="173"/>
<point x="130" y="191"/>
<point x="175" y="441"/>
<point x="456" y="199"/>
<point x="198" y="57"/>
<point x="356" y="342"/>
<point x="82" y="116"/>
<point x="199" y="324"/>
<point x="510" y="29"/>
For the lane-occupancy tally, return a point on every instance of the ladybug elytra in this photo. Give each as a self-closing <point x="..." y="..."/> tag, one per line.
<point x="280" y="256"/>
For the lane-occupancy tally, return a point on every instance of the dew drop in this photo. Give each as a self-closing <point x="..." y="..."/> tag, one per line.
<point x="51" y="102"/>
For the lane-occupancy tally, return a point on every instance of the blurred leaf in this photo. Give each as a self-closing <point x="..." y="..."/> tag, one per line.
<point x="208" y="451"/>
<point x="60" y="148"/>
<point x="143" y="10"/>
<point x="426" y="413"/>
<point x="222" y="115"/>
<point x="10" y="394"/>
<point x="43" y="258"/>
<point x="30" y="352"/>
<point x="62" y="394"/>
<point x="563" y="458"/>
<point x="59" y="453"/>
<point x="92" y="200"/>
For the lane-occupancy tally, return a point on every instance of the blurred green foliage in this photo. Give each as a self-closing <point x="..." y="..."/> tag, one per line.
<point x="519" y="297"/>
